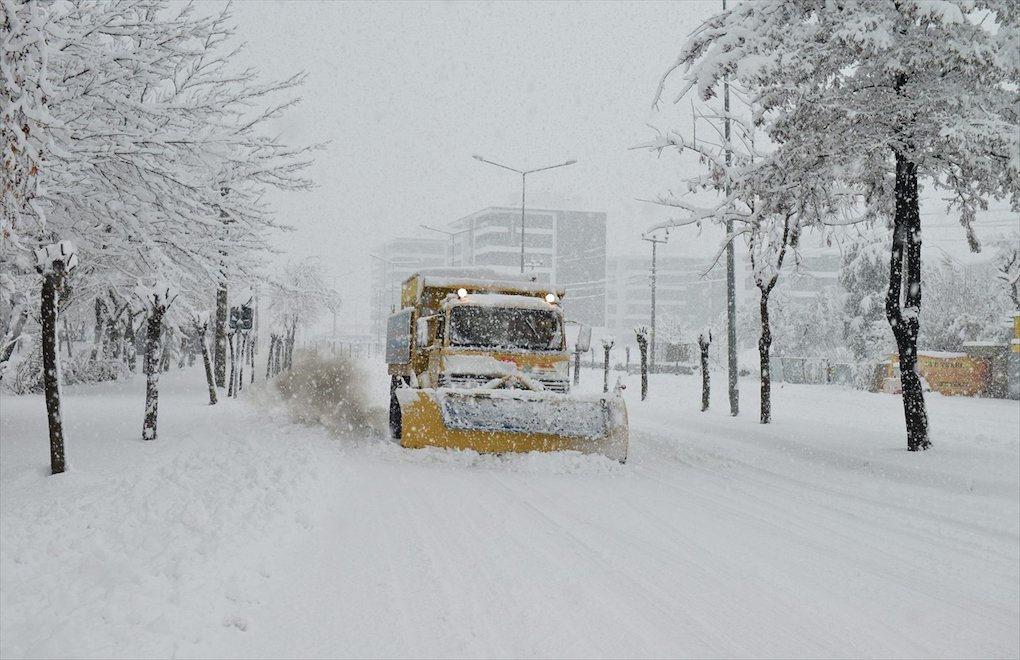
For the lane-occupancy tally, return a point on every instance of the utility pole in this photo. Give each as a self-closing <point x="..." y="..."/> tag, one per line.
<point x="524" y="175"/>
<point x="655" y="242"/>
<point x="731" y="283"/>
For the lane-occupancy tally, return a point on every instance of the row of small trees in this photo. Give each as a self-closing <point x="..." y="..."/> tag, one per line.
<point x="131" y="135"/>
<point x="843" y="126"/>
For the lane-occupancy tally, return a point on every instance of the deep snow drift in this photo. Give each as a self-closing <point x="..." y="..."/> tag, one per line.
<point x="241" y="533"/>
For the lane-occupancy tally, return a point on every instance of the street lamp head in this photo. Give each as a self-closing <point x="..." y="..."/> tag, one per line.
<point x="570" y="162"/>
<point x="477" y="157"/>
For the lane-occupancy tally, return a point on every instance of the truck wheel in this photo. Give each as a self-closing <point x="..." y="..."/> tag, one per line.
<point x="394" y="409"/>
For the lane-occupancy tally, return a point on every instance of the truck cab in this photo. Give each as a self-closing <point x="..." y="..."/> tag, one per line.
<point x="481" y="363"/>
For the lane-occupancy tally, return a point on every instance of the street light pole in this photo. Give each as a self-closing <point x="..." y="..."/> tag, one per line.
<point x="524" y="174"/>
<point x="651" y="344"/>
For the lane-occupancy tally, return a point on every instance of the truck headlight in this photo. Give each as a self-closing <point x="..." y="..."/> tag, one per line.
<point x="550" y="298"/>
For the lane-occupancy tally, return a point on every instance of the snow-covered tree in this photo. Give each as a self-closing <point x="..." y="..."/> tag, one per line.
<point x="1009" y="270"/>
<point x="768" y="244"/>
<point x="131" y="131"/>
<point x="964" y="305"/>
<point x="157" y="299"/>
<point x="864" y="101"/>
<point x="863" y="274"/>
<point x="298" y="296"/>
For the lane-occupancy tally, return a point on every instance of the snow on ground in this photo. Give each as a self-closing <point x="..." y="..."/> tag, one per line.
<point x="238" y="533"/>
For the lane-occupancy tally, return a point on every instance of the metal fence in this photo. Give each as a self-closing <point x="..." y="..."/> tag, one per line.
<point x="817" y="371"/>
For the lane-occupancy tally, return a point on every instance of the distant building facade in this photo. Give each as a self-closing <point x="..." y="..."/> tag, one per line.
<point x="393" y="262"/>
<point x="561" y="247"/>
<point x="685" y="300"/>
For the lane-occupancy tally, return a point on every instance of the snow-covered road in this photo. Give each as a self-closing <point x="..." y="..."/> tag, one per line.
<point x="240" y="534"/>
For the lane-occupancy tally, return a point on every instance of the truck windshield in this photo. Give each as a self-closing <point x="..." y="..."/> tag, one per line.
<point x="506" y="328"/>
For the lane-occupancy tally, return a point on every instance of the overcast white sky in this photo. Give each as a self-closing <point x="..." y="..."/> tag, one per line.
<point x="405" y="92"/>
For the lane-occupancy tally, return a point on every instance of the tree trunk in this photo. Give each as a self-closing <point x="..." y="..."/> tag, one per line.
<point x="764" y="344"/>
<point x="269" y="356"/>
<point x="200" y="337"/>
<point x="605" y="369"/>
<point x="251" y="358"/>
<point x="903" y="299"/>
<point x="130" y="352"/>
<point x="51" y="369"/>
<point x="643" y="349"/>
<point x="577" y="367"/>
<point x="152" y="371"/>
<point x="67" y="338"/>
<point x="290" y="344"/>
<point x="232" y="387"/>
<point x="220" y="337"/>
<point x="164" y="356"/>
<point x="703" y="344"/>
<point x="241" y="357"/>
<point x="97" y="337"/>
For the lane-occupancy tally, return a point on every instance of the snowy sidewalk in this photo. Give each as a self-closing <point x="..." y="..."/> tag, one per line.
<point x="240" y="534"/>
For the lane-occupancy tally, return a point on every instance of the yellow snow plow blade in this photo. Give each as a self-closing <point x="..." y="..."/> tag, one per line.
<point x="508" y="420"/>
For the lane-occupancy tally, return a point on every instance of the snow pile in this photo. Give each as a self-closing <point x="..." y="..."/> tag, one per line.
<point x="329" y="392"/>
<point x="27" y="374"/>
<point x="144" y="549"/>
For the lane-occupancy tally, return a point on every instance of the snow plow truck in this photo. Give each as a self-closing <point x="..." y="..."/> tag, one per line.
<point x="481" y="362"/>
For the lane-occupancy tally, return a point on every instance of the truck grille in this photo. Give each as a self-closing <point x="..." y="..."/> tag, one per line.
<point x="467" y="381"/>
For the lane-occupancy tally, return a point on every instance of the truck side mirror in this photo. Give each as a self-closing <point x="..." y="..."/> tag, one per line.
<point x="583" y="343"/>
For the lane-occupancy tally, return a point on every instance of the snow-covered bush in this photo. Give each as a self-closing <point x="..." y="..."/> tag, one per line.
<point x="83" y="368"/>
<point x="26" y="374"/>
<point x="963" y="303"/>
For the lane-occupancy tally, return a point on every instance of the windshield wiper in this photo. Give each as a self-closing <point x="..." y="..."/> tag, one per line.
<point x="534" y="332"/>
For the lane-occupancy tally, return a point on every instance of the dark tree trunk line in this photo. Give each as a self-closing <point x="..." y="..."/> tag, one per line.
<point x="764" y="344"/>
<point x="200" y="333"/>
<point x="153" y="332"/>
<point x="220" y="337"/>
<point x="642" y="341"/>
<point x="97" y="336"/>
<point x="703" y="344"/>
<point x="52" y="282"/>
<point x="903" y="299"/>
<point x="67" y="338"/>
<point x="130" y="351"/>
<point x="765" y="339"/>
<point x="232" y="341"/>
<point x="605" y="366"/>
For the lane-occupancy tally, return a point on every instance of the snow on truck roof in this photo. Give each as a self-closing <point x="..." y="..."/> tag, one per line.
<point x="483" y="279"/>
<point x="502" y="300"/>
